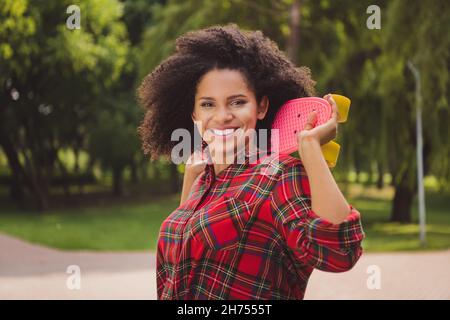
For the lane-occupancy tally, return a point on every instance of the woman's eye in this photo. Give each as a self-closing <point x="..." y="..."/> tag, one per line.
<point x="237" y="102"/>
<point x="240" y="102"/>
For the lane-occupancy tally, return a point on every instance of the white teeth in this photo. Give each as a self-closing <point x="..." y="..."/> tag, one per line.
<point x="222" y="132"/>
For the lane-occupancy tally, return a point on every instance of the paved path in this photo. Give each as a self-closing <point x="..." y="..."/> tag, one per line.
<point x="418" y="275"/>
<point x="29" y="271"/>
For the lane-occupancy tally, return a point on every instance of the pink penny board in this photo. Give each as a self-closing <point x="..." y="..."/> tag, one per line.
<point x="292" y="118"/>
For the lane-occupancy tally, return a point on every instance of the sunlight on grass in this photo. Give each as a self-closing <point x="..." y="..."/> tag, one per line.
<point x="397" y="228"/>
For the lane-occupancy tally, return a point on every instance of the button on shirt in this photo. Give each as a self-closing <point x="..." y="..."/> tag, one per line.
<point x="249" y="233"/>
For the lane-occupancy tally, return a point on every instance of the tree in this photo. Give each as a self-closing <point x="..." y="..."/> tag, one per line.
<point x="417" y="31"/>
<point x="52" y="79"/>
<point x="370" y="67"/>
<point x="114" y="141"/>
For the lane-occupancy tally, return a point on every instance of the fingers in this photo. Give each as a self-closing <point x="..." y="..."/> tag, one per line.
<point x="312" y="119"/>
<point x="335" y="112"/>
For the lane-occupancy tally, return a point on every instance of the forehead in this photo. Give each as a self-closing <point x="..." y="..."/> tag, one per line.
<point x="222" y="82"/>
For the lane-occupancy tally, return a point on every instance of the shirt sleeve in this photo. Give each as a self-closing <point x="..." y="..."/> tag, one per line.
<point x="313" y="240"/>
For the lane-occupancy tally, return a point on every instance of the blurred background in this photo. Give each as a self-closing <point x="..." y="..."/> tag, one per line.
<point x="73" y="176"/>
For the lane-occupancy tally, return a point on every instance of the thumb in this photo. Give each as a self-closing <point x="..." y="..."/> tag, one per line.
<point x="312" y="118"/>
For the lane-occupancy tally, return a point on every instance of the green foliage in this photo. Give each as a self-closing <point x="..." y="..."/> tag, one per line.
<point x="54" y="80"/>
<point x="177" y="17"/>
<point x="113" y="139"/>
<point x="416" y="31"/>
<point x="369" y="66"/>
<point x="75" y="89"/>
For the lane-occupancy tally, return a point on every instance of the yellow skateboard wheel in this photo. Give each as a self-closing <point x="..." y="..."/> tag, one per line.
<point x="343" y="104"/>
<point x="330" y="152"/>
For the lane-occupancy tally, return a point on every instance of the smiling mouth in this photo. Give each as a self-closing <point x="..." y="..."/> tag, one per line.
<point x="223" y="132"/>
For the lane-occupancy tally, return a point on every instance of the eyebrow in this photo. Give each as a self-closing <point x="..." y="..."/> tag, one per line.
<point x="229" y="98"/>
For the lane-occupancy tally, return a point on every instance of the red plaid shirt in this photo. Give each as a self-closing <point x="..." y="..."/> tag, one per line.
<point x="243" y="234"/>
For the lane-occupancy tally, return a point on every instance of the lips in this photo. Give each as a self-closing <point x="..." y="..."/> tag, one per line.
<point x="223" y="132"/>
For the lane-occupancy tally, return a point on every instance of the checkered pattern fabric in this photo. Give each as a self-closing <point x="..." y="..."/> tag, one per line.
<point x="246" y="234"/>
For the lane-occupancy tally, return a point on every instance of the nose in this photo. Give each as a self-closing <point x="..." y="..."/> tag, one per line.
<point x="223" y="115"/>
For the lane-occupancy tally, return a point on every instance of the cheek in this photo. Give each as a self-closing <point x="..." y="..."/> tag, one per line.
<point x="248" y="117"/>
<point x="200" y="121"/>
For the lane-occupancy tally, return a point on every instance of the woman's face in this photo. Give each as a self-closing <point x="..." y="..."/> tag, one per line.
<point x="223" y="105"/>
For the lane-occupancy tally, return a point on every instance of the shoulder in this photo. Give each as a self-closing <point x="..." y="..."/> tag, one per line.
<point x="278" y="176"/>
<point x="289" y="178"/>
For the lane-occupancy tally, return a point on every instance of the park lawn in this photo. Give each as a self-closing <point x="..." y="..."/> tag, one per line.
<point x="102" y="228"/>
<point x="382" y="235"/>
<point x="136" y="226"/>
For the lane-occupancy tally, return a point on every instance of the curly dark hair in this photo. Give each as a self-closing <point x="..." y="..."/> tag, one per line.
<point x="168" y="92"/>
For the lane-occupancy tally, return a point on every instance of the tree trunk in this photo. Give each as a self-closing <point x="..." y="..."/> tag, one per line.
<point x="35" y="181"/>
<point x="77" y="170"/>
<point x="65" y="177"/>
<point x="39" y="163"/>
<point x="156" y="172"/>
<point x="403" y="199"/>
<point x="134" y="172"/>
<point x="41" y="188"/>
<point x="401" y="206"/>
<point x="404" y="191"/>
<point x="16" y="191"/>
<point x="143" y="169"/>
<point x="118" y="181"/>
<point x="174" y="178"/>
<point x="380" y="181"/>
<point x="358" y="174"/>
<point x="357" y="165"/>
<point x="37" y="185"/>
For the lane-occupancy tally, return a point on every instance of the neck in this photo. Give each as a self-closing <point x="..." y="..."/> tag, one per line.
<point x="220" y="167"/>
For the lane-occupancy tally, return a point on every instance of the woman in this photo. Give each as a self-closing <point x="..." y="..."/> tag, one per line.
<point x="239" y="233"/>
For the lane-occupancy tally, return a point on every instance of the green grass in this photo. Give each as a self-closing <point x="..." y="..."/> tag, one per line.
<point x="119" y="227"/>
<point x="135" y="226"/>
<point x="382" y="235"/>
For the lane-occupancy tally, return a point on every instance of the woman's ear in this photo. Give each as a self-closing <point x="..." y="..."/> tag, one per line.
<point x="263" y="107"/>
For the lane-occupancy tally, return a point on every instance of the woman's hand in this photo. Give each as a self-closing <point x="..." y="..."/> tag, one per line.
<point x="322" y="133"/>
<point x="195" y="164"/>
<point x="327" y="201"/>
